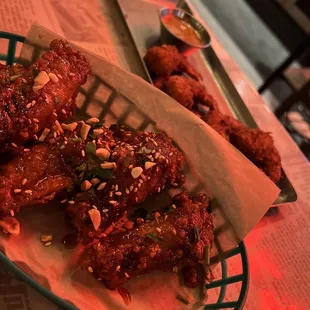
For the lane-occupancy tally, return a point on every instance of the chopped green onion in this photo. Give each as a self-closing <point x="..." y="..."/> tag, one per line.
<point x="155" y="238"/>
<point x="102" y="173"/>
<point x="90" y="148"/>
<point x="35" y="72"/>
<point x="76" y="139"/>
<point x="82" y="167"/>
<point x="183" y="300"/>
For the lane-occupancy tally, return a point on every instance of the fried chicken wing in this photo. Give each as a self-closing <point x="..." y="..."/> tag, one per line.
<point x="169" y="242"/>
<point x="43" y="93"/>
<point x="257" y="145"/>
<point x="138" y="165"/>
<point x="32" y="178"/>
<point x="163" y="60"/>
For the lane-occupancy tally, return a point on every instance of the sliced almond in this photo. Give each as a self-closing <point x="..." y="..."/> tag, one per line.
<point x="103" y="153"/>
<point x="11" y="225"/>
<point x="95" y="217"/>
<point x="84" y="131"/>
<point x="86" y="185"/>
<point x="46" y="238"/>
<point x="107" y="165"/>
<point x="92" y="120"/>
<point x="136" y="172"/>
<point x="101" y="186"/>
<point x="98" y="132"/>
<point x="69" y="127"/>
<point x="149" y="164"/>
<point x="40" y="80"/>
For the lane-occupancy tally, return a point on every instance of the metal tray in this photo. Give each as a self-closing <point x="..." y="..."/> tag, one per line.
<point x="144" y="28"/>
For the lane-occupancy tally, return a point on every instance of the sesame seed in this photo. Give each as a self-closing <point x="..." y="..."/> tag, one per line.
<point x="55" y="134"/>
<point x="35" y="120"/>
<point x="158" y="190"/>
<point x="141" y="181"/>
<point x="166" y="216"/>
<point x="94" y="207"/>
<point x="46" y="100"/>
<point x="158" y="229"/>
<point x="170" y="154"/>
<point x="116" y="187"/>
<point x="29" y="121"/>
<point x="71" y="202"/>
<point x="157" y="155"/>
<point x="113" y="186"/>
<point x="83" y="153"/>
<point x="28" y="192"/>
<point x="47" y="244"/>
<point x="112" y="202"/>
<point x="65" y="142"/>
<point x="111" y="194"/>
<point x="105" y="210"/>
<point x="24" y="181"/>
<point x="126" y="275"/>
<point x="118" y="193"/>
<point x="174" y="231"/>
<point x="26" y="150"/>
<point x="46" y="238"/>
<point x="173" y="206"/>
<point x="64" y="201"/>
<point x="95" y="181"/>
<point x="130" y="166"/>
<point x="153" y="151"/>
<point x="13" y="144"/>
<point x="55" y="114"/>
<point x="12" y="212"/>
<point x="136" y="189"/>
<point x="175" y="184"/>
<point x="132" y="153"/>
<point x="139" y="185"/>
<point x="28" y="105"/>
<point x="131" y="187"/>
<point x="90" y="269"/>
<point x="118" y="267"/>
<point x="44" y="134"/>
<point x="101" y="186"/>
<point x="62" y="147"/>
<point x="58" y="126"/>
<point x="114" y="153"/>
<point x="71" y="74"/>
<point x="127" y="191"/>
<point x="63" y="111"/>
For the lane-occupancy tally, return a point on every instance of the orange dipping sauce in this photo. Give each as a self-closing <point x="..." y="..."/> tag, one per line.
<point x="182" y="30"/>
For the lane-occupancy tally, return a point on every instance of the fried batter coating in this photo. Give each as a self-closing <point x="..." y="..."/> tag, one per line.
<point x="257" y="145"/>
<point x="43" y="93"/>
<point x="180" y="90"/>
<point x="188" y="92"/>
<point x="164" y="60"/>
<point x="143" y="163"/>
<point x="171" y="241"/>
<point x="186" y="67"/>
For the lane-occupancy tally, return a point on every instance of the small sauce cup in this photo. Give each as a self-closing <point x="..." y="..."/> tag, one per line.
<point x="182" y="38"/>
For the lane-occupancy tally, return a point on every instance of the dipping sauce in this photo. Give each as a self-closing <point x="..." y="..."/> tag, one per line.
<point x="182" y="29"/>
